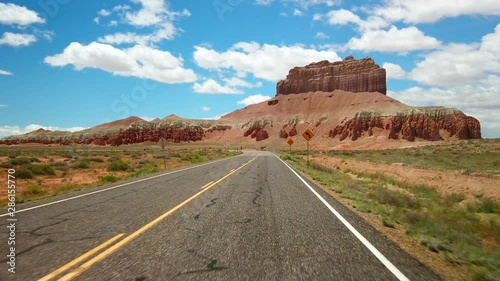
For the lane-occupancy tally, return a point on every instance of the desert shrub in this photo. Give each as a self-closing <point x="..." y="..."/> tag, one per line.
<point x="7" y="165"/>
<point x="148" y="168"/>
<point x="95" y="159"/>
<point x="108" y="179"/>
<point x="34" y="159"/>
<point x="34" y="189"/>
<point x="286" y="156"/>
<point x="61" y="166"/>
<point x="12" y="156"/>
<point x="24" y="174"/>
<point x="81" y="164"/>
<point x="118" y="165"/>
<point x="20" y="161"/>
<point x="114" y="158"/>
<point x="197" y="159"/>
<point x="487" y="206"/>
<point x="40" y="169"/>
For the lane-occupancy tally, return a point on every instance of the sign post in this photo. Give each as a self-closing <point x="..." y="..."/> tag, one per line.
<point x="290" y="142"/>
<point x="163" y="143"/>
<point x="308" y="135"/>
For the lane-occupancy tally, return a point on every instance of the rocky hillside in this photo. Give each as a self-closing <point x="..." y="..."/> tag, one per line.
<point x="339" y="101"/>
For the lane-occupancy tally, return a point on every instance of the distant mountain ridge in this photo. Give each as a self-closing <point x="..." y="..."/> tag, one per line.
<point x="337" y="101"/>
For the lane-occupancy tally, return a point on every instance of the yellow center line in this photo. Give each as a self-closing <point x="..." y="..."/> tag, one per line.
<point x="80" y="258"/>
<point x="141" y="230"/>
<point x="206" y="185"/>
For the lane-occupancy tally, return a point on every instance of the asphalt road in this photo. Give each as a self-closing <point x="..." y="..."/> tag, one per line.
<point x="245" y="218"/>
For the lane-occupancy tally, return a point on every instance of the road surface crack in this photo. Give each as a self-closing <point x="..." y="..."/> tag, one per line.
<point x="212" y="202"/>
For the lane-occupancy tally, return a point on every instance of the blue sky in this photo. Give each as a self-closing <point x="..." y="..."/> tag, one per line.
<point x="68" y="64"/>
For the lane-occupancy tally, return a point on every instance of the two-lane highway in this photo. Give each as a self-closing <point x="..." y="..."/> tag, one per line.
<point x="250" y="217"/>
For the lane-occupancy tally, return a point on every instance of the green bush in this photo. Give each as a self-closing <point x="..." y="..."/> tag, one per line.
<point x="20" y="161"/>
<point x="61" y="166"/>
<point x="108" y="179"/>
<point x="24" y="174"/>
<point x="81" y="164"/>
<point x="34" y="189"/>
<point x="7" y="165"/>
<point x="40" y="169"/>
<point x="197" y="159"/>
<point x="118" y="165"/>
<point x="147" y="169"/>
<point x="286" y="156"/>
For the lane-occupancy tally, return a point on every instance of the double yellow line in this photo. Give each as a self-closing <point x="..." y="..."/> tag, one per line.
<point x="86" y="265"/>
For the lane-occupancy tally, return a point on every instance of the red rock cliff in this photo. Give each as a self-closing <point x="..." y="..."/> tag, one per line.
<point x="349" y="75"/>
<point x="432" y="124"/>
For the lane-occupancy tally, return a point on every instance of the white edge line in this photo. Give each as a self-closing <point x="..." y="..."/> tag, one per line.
<point x="113" y="187"/>
<point x="358" y="235"/>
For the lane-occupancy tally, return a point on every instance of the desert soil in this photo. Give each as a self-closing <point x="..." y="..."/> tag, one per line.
<point x="445" y="182"/>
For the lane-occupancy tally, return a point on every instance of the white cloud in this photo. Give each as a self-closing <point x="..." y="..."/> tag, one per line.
<point x="152" y="12"/>
<point x="237" y="82"/>
<point x="321" y="35"/>
<point x="4" y="72"/>
<point x="154" y="21"/>
<point x="205" y="108"/>
<point x="268" y="62"/>
<point x="217" y="117"/>
<point x="167" y="31"/>
<point x="479" y="102"/>
<point x="211" y="86"/>
<point x="298" y="13"/>
<point x="430" y="11"/>
<point x="307" y="3"/>
<point x="264" y="2"/>
<point x="458" y="64"/>
<point x="394" y="71"/>
<point x="393" y="40"/>
<point x="17" y="39"/>
<point x="6" y="131"/>
<point x="254" y="99"/>
<point x="339" y="17"/>
<point x="2" y="105"/>
<point x="138" y="61"/>
<point x="12" y="14"/>
<point x="104" y="13"/>
<point x="301" y="3"/>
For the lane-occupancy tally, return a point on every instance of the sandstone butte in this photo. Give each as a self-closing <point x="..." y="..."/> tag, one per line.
<point x="343" y="100"/>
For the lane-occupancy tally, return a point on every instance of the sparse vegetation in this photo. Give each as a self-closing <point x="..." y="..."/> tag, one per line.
<point x="81" y="164"/>
<point x="440" y="223"/>
<point x="71" y="168"/>
<point x="195" y="159"/>
<point x="24" y="174"/>
<point x="40" y="169"/>
<point x="469" y="157"/>
<point x="108" y="179"/>
<point x="118" y="165"/>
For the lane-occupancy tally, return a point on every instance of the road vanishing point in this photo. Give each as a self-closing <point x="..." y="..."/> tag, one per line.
<point x="249" y="217"/>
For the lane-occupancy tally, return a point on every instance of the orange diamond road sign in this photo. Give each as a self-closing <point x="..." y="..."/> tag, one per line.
<point x="290" y="141"/>
<point x="308" y="135"/>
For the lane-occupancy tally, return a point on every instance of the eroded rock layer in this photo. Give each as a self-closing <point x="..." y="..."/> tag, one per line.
<point x="425" y="123"/>
<point x="349" y="75"/>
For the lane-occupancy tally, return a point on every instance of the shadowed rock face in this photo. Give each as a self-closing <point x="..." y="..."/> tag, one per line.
<point x="349" y="75"/>
<point x="427" y="124"/>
